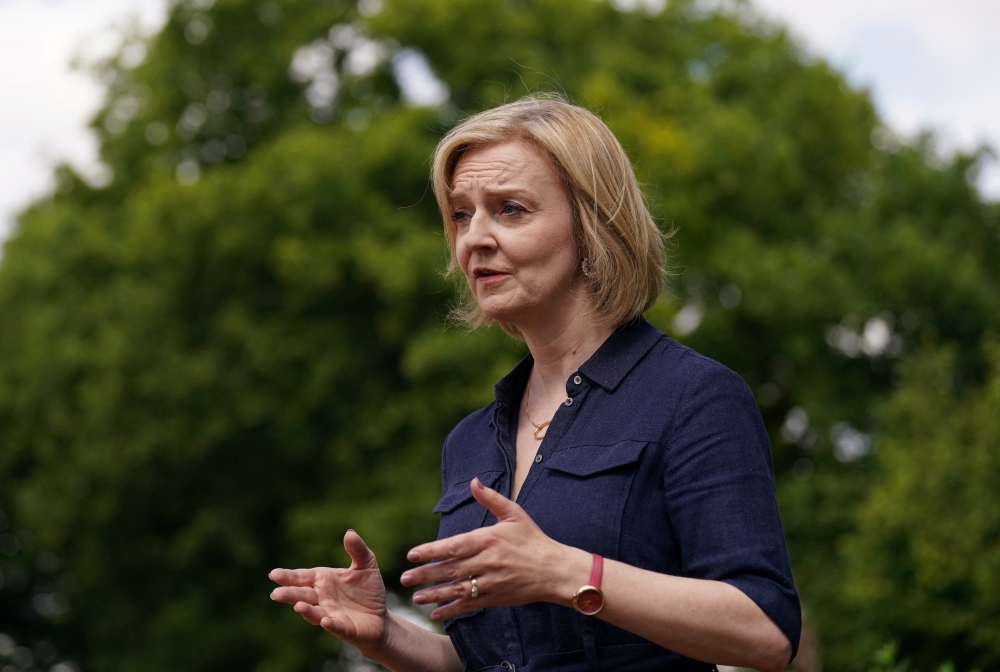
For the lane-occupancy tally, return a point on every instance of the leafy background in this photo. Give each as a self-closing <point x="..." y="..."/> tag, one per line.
<point x="217" y="361"/>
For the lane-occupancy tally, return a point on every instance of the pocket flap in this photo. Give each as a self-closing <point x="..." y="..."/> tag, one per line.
<point x="460" y="493"/>
<point x="588" y="460"/>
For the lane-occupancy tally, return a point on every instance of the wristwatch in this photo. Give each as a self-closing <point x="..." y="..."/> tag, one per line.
<point x="589" y="600"/>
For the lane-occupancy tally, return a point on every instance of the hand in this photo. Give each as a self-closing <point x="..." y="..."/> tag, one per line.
<point x="513" y="562"/>
<point x="348" y="603"/>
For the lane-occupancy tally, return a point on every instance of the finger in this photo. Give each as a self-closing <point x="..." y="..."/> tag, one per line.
<point x="310" y="612"/>
<point x="361" y="555"/>
<point x="460" y="546"/>
<point x="293" y="577"/>
<point x="456" y="590"/>
<point x="291" y="595"/>
<point x="446" y="570"/>
<point x="456" y="608"/>
<point x="499" y="506"/>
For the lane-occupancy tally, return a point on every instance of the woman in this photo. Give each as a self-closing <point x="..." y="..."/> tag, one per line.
<point x="614" y="507"/>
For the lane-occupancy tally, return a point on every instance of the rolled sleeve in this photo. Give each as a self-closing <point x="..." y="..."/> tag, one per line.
<point x="720" y="495"/>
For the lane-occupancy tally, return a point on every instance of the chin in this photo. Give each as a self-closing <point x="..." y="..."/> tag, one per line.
<point x="501" y="312"/>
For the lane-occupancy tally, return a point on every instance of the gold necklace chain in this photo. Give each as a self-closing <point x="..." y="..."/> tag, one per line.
<point x="527" y="401"/>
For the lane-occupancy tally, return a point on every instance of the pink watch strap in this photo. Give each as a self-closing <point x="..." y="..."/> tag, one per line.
<point x="596" y="571"/>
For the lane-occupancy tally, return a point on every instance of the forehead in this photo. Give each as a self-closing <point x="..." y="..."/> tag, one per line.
<point x="515" y="163"/>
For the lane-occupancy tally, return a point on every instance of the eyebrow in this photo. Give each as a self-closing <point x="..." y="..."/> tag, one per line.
<point x="515" y="191"/>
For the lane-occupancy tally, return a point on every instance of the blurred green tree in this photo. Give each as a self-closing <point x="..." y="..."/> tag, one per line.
<point x="235" y="349"/>
<point x="924" y="563"/>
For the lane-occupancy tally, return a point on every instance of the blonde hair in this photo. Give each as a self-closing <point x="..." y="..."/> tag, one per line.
<point x="612" y="228"/>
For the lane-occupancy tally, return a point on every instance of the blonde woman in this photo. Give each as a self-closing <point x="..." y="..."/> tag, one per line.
<point x="614" y="507"/>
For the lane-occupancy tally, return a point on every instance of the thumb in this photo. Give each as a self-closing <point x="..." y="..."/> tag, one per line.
<point x="361" y="555"/>
<point x="499" y="506"/>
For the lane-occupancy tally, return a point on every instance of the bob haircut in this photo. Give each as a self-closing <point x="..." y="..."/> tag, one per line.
<point x="612" y="228"/>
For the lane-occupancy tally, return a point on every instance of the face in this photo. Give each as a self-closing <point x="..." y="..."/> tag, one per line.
<point x="514" y="236"/>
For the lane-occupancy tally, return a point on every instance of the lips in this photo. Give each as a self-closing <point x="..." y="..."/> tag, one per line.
<point x="487" y="272"/>
<point x="489" y="275"/>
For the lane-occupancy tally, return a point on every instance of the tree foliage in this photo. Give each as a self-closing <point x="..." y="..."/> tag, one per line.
<point x="924" y="561"/>
<point x="217" y="362"/>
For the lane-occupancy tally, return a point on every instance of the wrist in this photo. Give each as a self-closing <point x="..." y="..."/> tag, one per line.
<point x="390" y="633"/>
<point x="572" y="572"/>
<point x="589" y="599"/>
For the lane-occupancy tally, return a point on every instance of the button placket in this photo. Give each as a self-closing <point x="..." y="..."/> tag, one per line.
<point x="505" y="445"/>
<point x="561" y="422"/>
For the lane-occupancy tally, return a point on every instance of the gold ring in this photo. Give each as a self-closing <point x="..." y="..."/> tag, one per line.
<point x="475" y="589"/>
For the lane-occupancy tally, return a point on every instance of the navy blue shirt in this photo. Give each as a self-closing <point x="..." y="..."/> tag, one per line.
<point x="658" y="459"/>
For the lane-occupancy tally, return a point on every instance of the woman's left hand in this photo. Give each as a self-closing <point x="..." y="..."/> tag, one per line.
<point x="513" y="563"/>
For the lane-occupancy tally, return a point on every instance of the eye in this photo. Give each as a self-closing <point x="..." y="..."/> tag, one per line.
<point x="459" y="216"/>
<point x="511" y="209"/>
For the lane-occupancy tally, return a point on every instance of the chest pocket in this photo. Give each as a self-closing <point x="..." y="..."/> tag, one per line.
<point x="459" y="511"/>
<point x="582" y="493"/>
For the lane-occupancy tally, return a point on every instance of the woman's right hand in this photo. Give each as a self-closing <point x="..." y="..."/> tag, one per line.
<point x="348" y="603"/>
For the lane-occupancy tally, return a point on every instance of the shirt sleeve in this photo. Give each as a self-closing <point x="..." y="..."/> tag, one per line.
<point x="720" y="494"/>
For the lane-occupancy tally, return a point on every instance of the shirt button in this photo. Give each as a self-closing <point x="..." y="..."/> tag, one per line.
<point x="577" y="380"/>
<point x="538" y="458"/>
<point x="569" y="401"/>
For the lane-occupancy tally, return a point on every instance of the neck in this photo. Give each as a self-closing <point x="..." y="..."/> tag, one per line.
<point x="560" y="346"/>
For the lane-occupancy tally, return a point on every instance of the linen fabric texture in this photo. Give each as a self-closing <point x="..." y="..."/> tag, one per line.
<point x="661" y="462"/>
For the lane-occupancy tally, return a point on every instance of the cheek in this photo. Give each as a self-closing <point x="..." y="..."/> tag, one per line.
<point x="542" y="248"/>
<point x="555" y="251"/>
<point x="461" y="255"/>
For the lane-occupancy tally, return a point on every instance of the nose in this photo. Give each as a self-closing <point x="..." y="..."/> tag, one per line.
<point x="478" y="235"/>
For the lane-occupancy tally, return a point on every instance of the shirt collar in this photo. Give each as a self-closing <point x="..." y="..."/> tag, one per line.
<point x="510" y="387"/>
<point x="607" y="367"/>
<point x="620" y="353"/>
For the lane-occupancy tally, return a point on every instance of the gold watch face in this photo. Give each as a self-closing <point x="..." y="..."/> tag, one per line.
<point x="588" y="601"/>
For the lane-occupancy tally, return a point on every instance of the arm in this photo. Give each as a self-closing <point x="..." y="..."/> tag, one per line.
<point x="350" y="604"/>
<point x="706" y="620"/>
<point x="514" y="563"/>
<point x="410" y="648"/>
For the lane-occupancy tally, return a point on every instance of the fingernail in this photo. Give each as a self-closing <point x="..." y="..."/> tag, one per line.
<point x="405" y="579"/>
<point x="413" y="556"/>
<point x="419" y="599"/>
<point x="350" y="529"/>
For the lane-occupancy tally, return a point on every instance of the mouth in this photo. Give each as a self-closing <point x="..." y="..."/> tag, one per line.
<point x="488" y="275"/>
